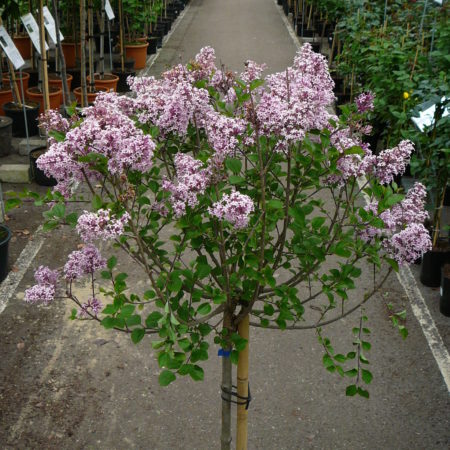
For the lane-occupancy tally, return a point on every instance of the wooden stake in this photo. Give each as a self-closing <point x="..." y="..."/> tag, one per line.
<point x="242" y="387"/>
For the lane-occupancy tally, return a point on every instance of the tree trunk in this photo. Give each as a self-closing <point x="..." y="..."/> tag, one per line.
<point x="226" y="386"/>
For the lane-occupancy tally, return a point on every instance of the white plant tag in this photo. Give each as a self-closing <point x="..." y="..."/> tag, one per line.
<point x="109" y="11"/>
<point x="50" y="26"/>
<point x="10" y="49"/>
<point x="32" y="28"/>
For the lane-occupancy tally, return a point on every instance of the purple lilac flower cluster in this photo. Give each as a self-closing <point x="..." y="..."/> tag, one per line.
<point x="100" y="225"/>
<point x="364" y="102"/>
<point x="297" y="99"/>
<point x="404" y="237"/>
<point x="234" y="208"/>
<point x="192" y="180"/>
<point x="83" y="262"/>
<point x="44" y="291"/>
<point x="107" y="130"/>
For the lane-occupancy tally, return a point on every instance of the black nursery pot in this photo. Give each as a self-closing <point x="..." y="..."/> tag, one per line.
<point x="15" y="112"/>
<point x="128" y="63"/>
<point x="152" y="45"/>
<point x="444" y="300"/>
<point x="122" y="85"/>
<point x="5" y="236"/>
<point x="76" y="74"/>
<point x="5" y="135"/>
<point x="432" y="261"/>
<point x="34" y="77"/>
<point x="37" y="174"/>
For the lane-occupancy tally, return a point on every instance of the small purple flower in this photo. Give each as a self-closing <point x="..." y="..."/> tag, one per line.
<point x="92" y="306"/>
<point x="364" y="102"/>
<point x="40" y="293"/>
<point x="46" y="277"/>
<point x="100" y="225"/>
<point x="83" y="262"/>
<point x="234" y="208"/>
<point x="393" y="161"/>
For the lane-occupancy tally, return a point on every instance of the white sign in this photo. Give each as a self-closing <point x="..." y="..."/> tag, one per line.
<point x="10" y="49"/>
<point x="50" y="26"/>
<point x="32" y="28"/>
<point x="109" y="11"/>
<point x="426" y="117"/>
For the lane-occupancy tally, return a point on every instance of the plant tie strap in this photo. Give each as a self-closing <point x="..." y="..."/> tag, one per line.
<point x="224" y="353"/>
<point x="245" y="400"/>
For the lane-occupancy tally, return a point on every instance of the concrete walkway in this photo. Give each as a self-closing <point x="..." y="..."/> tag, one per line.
<point x="72" y="385"/>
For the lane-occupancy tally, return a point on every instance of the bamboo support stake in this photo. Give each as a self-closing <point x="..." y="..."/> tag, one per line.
<point x="242" y="387"/>
<point x="226" y="387"/>
<point x="43" y="57"/>
<point x="14" y="83"/>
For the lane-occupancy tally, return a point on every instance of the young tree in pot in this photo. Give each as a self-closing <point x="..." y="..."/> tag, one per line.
<point x="240" y="199"/>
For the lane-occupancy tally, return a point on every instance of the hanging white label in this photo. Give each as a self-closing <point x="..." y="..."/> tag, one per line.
<point x="32" y="28"/>
<point x="50" y="26"/>
<point x="10" y="49"/>
<point x="109" y="11"/>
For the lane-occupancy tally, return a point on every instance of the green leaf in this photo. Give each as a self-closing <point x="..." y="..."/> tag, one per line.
<point x="175" y="284"/>
<point x="12" y="203"/>
<point x="137" y="335"/>
<point x="196" y="373"/>
<point x="235" y="165"/>
<point x="166" y="377"/>
<point x="340" y="358"/>
<point x="366" y="345"/>
<point x="204" y="308"/>
<point x="71" y="219"/>
<point x="235" y="179"/>
<point x="351" y="390"/>
<point x="363" y="393"/>
<point x="366" y="376"/>
<point x="97" y="202"/>
<point x="59" y="210"/>
<point x="112" y="262"/>
<point x="317" y="222"/>
<point x="203" y="270"/>
<point x="327" y="361"/>
<point x="275" y="204"/>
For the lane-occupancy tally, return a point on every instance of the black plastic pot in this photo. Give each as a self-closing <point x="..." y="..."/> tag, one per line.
<point x="15" y="112"/>
<point x="315" y="46"/>
<point x="306" y="32"/>
<point x="5" y="135"/>
<point x="152" y="45"/>
<point x="76" y="74"/>
<point x="122" y="85"/>
<point x="432" y="261"/>
<point x="128" y="63"/>
<point x="5" y="236"/>
<point x="444" y="300"/>
<point x="37" y="174"/>
<point x="447" y="196"/>
<point x="34" y="77"/>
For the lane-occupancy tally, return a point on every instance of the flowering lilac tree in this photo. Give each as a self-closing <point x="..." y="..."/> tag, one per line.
<point x="256" y="183"/>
